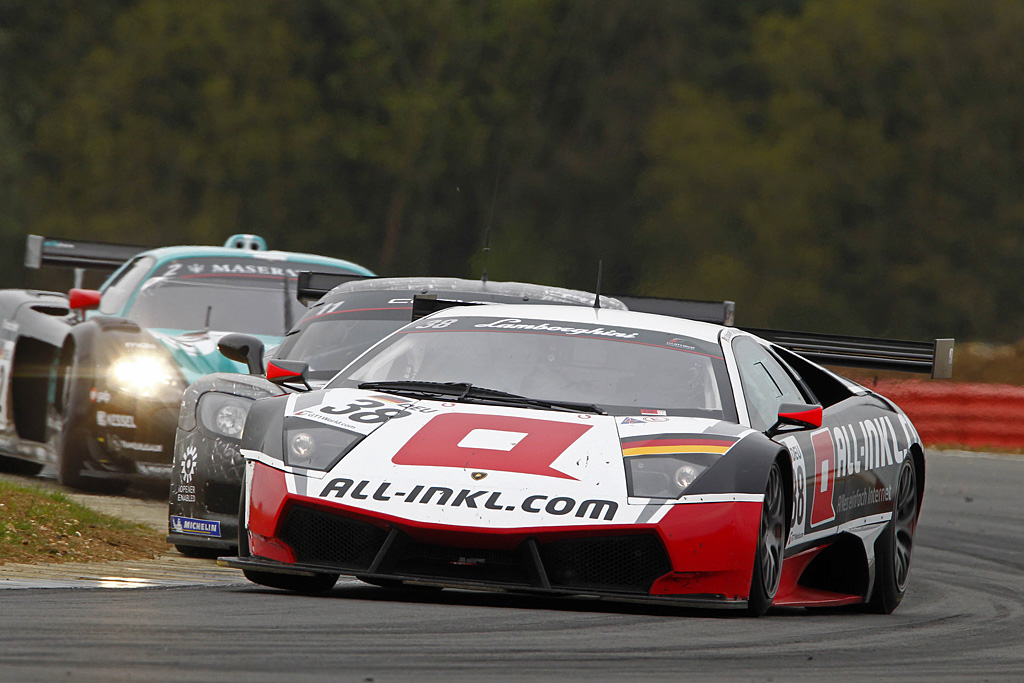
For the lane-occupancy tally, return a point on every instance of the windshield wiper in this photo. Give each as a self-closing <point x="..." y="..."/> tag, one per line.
<point x="464" y="391"/>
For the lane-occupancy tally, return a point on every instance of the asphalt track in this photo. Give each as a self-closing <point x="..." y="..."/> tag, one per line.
<point x="963" y="618"/>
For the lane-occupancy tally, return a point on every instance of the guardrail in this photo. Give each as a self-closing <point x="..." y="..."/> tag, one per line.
<point x="960" y="413"/>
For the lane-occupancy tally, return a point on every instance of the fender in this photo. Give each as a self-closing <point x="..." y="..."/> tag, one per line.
<point x="744" y="469"/>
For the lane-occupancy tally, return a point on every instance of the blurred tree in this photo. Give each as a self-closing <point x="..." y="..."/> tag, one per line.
<point x="875" y="189"/>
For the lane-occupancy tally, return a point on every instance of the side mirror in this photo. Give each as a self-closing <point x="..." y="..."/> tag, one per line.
<point x="797" y="415"/>
<point x="243" y="348"/>
<point x="282" y="372"/>
<point x="83" y="299"/>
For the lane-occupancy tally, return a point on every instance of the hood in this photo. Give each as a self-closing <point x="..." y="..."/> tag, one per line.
<point x="196" y="353"/>
<point x="478" y="465"/>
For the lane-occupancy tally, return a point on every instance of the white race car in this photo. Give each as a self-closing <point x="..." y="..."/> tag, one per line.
<point x="569" y="450"/>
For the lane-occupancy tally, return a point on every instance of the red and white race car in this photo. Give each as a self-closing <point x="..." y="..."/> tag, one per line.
<point x="566" y="450"/>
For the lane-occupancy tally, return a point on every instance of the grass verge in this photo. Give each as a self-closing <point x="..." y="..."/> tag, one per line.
<point x="38" y="525"/>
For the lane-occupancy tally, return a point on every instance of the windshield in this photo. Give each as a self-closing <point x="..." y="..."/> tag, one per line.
<point x="252" y="307"/>
<point x="623" y="371"/>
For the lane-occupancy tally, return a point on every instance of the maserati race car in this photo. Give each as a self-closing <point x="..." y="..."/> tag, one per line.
<point x="607" y="453"/>
<point x="206" y="474"/>
<point x="91" y="382"/>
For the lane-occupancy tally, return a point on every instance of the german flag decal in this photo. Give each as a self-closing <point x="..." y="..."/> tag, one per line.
<point x="663" y="444"/>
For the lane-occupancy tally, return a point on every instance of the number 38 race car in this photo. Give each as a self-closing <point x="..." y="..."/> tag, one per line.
<point x="584" y="451"/>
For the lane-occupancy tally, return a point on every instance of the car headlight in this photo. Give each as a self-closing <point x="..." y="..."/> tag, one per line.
<point x="316" y="447"/>
<point x="144" y="376"/>
<point x="664" y="476"/>
<point x="223" y="414"/>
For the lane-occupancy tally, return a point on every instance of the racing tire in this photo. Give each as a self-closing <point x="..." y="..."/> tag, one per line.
<point x="764" y="582"/>
<point x="308" y="585"/>
<point x="72" y="443"/>
<point x="18" y="466"/>
<point x="896" y="544"/>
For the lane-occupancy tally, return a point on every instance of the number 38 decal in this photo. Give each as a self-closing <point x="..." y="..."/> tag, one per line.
<point x="366" y="411"/>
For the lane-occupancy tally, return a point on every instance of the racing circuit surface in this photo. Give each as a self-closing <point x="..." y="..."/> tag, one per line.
<point x="963" y="617"/>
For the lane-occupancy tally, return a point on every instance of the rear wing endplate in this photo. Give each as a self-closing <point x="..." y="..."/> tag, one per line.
<point x="718" y="312"/>
<point x="312" y="285"/>
<point x="934" y="358"/>
<point x="48" y="251"/>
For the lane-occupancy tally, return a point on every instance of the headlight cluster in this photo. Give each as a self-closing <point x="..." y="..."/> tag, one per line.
<point x="314" y="446"/>
<point x="223" y="414"/>
<point x="664" y="476"/>
<point x="143" y="376"/>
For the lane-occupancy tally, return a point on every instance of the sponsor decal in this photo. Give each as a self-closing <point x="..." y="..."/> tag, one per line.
<point x="518" y="324"/>
<point x="653" y="411"/>
<point x="799" y="513"/>
<point x="196" y="268"/>
<point x="362" y="415"/>
<point x="654" y="419"/>
<point x="824" y="483"/>
<point x="199" y="527"/>
<point x="477" y="476"/>
<point x="681" y="344"/>
<point x="631" y="421"/>
<point x="491" y="442"/>
<point x="188" y="464"/>
<point x="104" y="419"/>
<point x="665" y="444"/>
<point x="97" y="396"/>
<point x="864" y="497"/>
<point x="121" y="445"/>
<point x="186" y="494"/>
<point x="480" y="499"/>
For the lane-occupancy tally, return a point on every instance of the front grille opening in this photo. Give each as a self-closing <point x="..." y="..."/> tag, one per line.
<point x="623" y="563"/>
<point x="324" y="538"/>
<point x="467" y="564"/>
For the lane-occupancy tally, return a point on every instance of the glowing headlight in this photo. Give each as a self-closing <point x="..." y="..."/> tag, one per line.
<point x="142" y="375"/>
<point x="317" y="447"/>
<point x="223" y="414"/>
<point x="664" y="476"/>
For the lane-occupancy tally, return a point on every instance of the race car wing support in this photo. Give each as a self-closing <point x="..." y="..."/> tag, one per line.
<point x="935" y="358"/>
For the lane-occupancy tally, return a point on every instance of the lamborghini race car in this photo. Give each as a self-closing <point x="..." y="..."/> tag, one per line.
<point x="587" y="451"/>
<point x="206" y="474"/>
<point x="91" y="382"/>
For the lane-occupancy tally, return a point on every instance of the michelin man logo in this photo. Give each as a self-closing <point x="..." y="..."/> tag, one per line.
<point x="188" y="465"/>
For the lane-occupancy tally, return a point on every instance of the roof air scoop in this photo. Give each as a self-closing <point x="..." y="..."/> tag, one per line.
<point x="247" y="242"/>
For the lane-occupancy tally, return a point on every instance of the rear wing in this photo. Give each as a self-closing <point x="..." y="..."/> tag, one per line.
<point x="718" y="312"/>
<point x="934" y="358"/>
<point x="312" y="285"/>
<point x="48" y="251"/>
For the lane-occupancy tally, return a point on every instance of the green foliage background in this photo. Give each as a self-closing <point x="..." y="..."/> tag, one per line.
<point x="852" y="166"/>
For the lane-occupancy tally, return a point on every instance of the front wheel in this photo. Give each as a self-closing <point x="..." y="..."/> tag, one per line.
<point x="895" y="545"/>
<point x="770" y="545"/>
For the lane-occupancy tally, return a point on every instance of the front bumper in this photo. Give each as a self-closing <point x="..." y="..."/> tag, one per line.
<point x="206" y="484"/>
<point x="698" y="554"/>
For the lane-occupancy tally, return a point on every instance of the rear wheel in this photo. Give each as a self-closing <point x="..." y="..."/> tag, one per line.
<point x="770" y="541"/>
<point x="896" y="544"/>
<point x="18" y="466"/>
